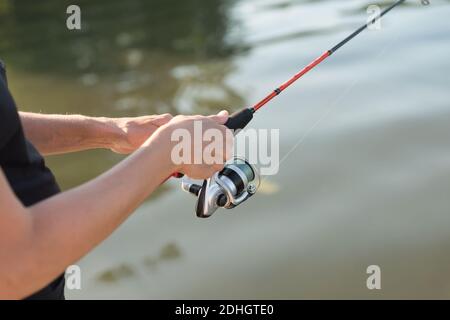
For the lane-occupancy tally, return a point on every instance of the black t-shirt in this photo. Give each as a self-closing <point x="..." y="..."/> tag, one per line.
<point x="24" y="169"/>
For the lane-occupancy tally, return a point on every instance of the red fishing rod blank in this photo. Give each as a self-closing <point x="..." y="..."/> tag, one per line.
<point x="281" y="88"/>
<point x="319" y="60"/>
<point x="240" y="119"/>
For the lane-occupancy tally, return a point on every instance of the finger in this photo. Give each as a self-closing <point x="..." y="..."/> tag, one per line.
<point x="200" y="174"/>
<point x="209" y="172"/>
<point x="162" y="119"/>
<point x="229" y="146"/>
<point x="218" y="166"/>
<point x="221" y="117"/>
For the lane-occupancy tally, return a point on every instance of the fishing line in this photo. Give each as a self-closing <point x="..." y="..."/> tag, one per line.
<point x="240" y="119"/>
<point x="239" y="180"/>
<point x="328" y="111"/>
<point x="320" y="59"/>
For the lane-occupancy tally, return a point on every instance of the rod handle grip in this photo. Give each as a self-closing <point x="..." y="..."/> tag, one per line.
<point x="239" y="119"/>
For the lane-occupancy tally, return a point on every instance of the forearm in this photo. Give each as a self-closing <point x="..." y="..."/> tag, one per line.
<point x="54" y="134"/>
<point x="67" y="226"/>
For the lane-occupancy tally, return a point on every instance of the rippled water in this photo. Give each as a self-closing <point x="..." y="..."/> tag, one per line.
<point x="367" y="176"/>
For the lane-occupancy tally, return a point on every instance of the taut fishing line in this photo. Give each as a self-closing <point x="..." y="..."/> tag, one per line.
<point x="239" y="180"/>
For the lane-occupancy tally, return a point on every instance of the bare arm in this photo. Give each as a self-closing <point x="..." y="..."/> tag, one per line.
<point x="55" y="134"/>
<point x="37" y="243"/>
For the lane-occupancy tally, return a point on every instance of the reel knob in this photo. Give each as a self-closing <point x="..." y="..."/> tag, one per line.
<point x="192" y="188"/>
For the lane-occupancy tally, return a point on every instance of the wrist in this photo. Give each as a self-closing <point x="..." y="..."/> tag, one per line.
<point x="105" y="133"/>
<point x="161" y="143"/>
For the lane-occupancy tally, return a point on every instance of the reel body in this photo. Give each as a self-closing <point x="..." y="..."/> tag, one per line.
<point x="237" y="182"/>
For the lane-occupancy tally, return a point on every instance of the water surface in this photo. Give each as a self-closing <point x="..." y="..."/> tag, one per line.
<point x="367" y="176"/>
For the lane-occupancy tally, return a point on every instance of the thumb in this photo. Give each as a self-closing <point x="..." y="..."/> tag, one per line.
<point x="221" y="117"/>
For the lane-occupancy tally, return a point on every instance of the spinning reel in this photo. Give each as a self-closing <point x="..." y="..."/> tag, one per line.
<point x="237" y="182"/>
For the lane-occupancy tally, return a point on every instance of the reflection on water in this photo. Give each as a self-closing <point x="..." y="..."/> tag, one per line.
<point x="367" y="176"/>
<point x="35" y="36"/>
<point x="116" y="273"/>
<point x="168" y="252"/>
<point x="127" y="60"/>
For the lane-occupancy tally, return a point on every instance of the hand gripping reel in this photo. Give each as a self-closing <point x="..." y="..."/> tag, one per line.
<point x="228" y="188"/>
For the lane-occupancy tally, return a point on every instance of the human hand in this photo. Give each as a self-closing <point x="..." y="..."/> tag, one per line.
<point x="130" y="133"/>
<point x="199" y="160"/>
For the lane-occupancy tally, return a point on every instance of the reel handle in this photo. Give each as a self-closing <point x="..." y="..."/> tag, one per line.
<point x="191" y="188"/>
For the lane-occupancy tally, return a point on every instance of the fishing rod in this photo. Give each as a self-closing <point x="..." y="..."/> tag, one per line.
<point x="240" y="119"/>
<point x="239" y="180"/>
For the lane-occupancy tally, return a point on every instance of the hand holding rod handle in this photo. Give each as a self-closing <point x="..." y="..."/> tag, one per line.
<point x="240" y="119"/>
<point x="237" y="121"/>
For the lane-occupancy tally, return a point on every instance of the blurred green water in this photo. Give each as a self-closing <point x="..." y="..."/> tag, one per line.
<point x="367" y="184"/>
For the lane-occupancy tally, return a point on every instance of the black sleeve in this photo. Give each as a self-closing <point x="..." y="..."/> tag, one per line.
<point x="3" y="72"/>
<point x="8" y="112"/>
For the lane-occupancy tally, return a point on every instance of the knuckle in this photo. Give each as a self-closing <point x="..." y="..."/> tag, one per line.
<point x="217" y="167"/>
<point x="197" y="117"/>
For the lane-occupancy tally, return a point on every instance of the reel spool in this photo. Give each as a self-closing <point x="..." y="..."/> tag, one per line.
<point x="237" y="182"/>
